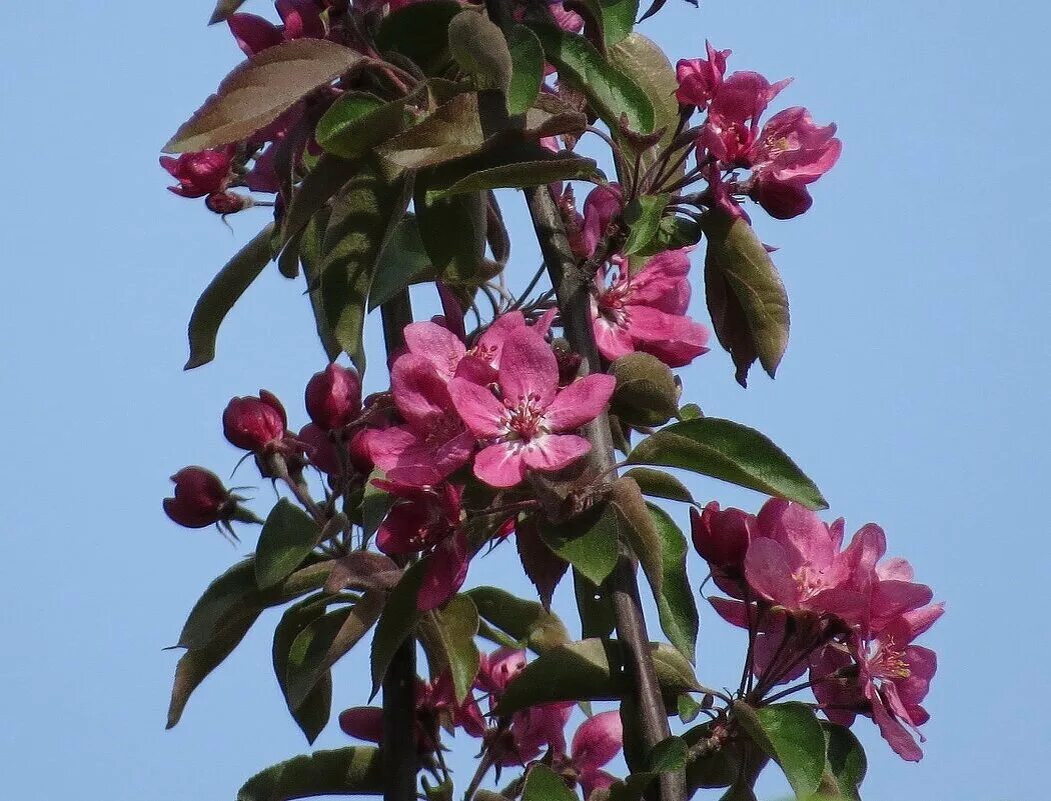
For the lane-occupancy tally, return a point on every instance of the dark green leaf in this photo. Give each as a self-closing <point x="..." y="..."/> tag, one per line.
<point x="396" y="624"/>
<point x="688" y="708"/>
<point x="746" y="298"/>
<point x="668" y="755"/>
<point x="527" y="69"/>
<point x="320" y="185"/>
<point x="643" y="217"/>
<point x="542" y="566"/>
<point x="845" y="764"/>
<point x="638" y="529"/>
<point x="646" y="393"/>
<point x="345" y="771"/>
<point x="288" y="536"/>
<point x="731" y="452"/>
<point x="453" y="130"/>
<point x="375" y="503"/>
<point x="590" y="670"/>
<point x="594" y="606"/>
<point x="223" y="9"/>
<point x="310" y="251"/>
<point x="453" y="233"/>
<point x="645" y="63"/>
<point x="588" y="542"/>
<point x="221" y="295"/>
<point x="312" y="712"/>
<point x="658" y="484"/>
<point x="614" y="18"/>
<point x="260" y="89"/>
<point x="479" y="48"/>
<point x="358" y="122"/>
<point x="402" y="263"/>
<point x="791" y="735"/>
<point x="319" y="645"/>
<point x="543" y="784"/>
<point x="711" y="766"/>
<point x="420" y="32"/>
<point x="457" y="627"/>
<point x="676" y="606"/>
<point x="525" y="621"/>
<point x="691" y="411"/>
<point x="363" y="219"/>
<point x="550" y="168"/>
<point x="610" y="92"/>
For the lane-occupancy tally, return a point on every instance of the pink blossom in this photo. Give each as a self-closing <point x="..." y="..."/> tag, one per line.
<point x="598" y="740"/>
<point x="499" y="668"/>
<point x="602" y="204"/>
<point x="647" y="311"/>
<point x="699" y="79"/>
<point x="320" y="449"/>
<point x="533" y="730"/>
<point x="301" y="20"/>
<point x="525" y="424"/>
<point x="202" y="173"/>
<point x="721" y="537"/>
<point x="744" y="96"/>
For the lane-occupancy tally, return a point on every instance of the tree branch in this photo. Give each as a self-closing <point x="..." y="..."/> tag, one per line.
<point x="574" y="300"/>
<point x="400" y="760"/>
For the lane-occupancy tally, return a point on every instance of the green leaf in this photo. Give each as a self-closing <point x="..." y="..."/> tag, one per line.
<point x="658" y="484"/>
<point x="288" y="536"/>
<point x="691" y="411"/>
<point x="375" y="503"/>
<point x="403" y="262"/>
<point x="548" y="168"/>
<point x="590" y="670"/>
<point x="396" y="624"/>
<point x="310" y="250"/>
<point x="453" y="232"/>
<point x="668" y="755"/>
<point x="320" y="185"/>
<point x="645" y="63"/>
<point x="222" y="293"/>
<point x="643" y="217"/>
<point x="543" y="784"/>
<point x="791" y="735"/>
<point x="646" y="393"/>
<point x="732" y="452"/>
<point x="639" y="530"/>
<point x="358" y="122"/>
<point x="320" y="644"/>
<point x="260" y="89"/>
<point x="420" y="32"/>
<point x="712" y="767"/>
<point x="588" y="541"/>
<point x="312" y="712"/>
<point x="527" y="69"/>
<point x="610" y="92"/>
<point x="676" y="606"/>
<point x="526" y="621"/>
<point x="594" y="606"/>
<point x="345" y="771"/>
<point x="845" y="764"/>
<point x="453" y="130"/>
<point x="614" y="18"/>
<point x="457" y="626"/>
<point x="480" y="49"/>
<point x="362" y="222"/>
<point x="746" y="298"/>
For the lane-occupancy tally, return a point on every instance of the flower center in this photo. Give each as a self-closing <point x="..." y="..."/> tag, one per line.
<point x="526" y="420"/>
<point x="888" y="661"/>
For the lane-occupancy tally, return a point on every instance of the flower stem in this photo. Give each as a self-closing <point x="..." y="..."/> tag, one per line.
<point x="573" y="291"/>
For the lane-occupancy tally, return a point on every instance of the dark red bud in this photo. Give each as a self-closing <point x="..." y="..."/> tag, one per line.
<point x="199" y="174"/>
<point x="228" y="202"/>
<point x="320" y="449"/>
<point x="200" y="498"/>
<point x="782" y="200"/>
<point x="360" y="458"/>
<point x="253" y="423"/>
<point x="333" y="397"/>
<point x="720" y="537"/>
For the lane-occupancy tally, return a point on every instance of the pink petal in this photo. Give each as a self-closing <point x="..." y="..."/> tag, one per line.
<point x="500" y="465"/>
<point x="613" y="340"/>
<point x="436" y="344"/>
<point x="386" y="445"/>
<point x="419" y="392"/>
<point x="580" y="402"/>
<point x="733" y="612"/>
<point x="899" y="738"/>
<point x="796" y="526"/>
<point x="363" y="723"/>
<point x="252" y="33"/>
<point x="597" y="741"/>
<point x="444" y="573"/>
<point x="896" y="569"/>
<point x="478" y="408"/>
<point x="768" y="566"/>
<point x="528" y="369"/>
<point x="554" y="451"/>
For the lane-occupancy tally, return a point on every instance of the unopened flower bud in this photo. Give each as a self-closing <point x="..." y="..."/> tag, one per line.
<point x="333" y="397"/>
<point x="228" y="202"/>
<point x="200" y="498"/>
<point x="320" y="449"/>
<point x="721" y="536"/>
<point x="199" y="174"/>
<point x="253" y="423"/>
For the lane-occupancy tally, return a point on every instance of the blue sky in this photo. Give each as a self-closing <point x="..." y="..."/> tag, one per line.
<point x="914" y="391"/>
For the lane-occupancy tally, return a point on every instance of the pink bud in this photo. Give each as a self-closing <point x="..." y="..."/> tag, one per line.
<point x="721" y="536"/>
<point x="253" y="423"/>
<point x="333" y="397"/>
<point x="200" y="498"/>
<point x="320" y="449"/>
<point x="358" y="450"/>
<point x="200" y="173"/>
<point x="363" y="722"/>
<point x="782" y="200"/>
<point x="228" y="202"/>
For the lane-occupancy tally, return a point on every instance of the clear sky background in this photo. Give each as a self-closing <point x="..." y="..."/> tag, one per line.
<point x="915" y="389"/>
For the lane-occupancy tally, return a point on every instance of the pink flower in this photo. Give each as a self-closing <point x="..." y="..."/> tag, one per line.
<point x="744" y="96"/>
<point x="333" y="397"/>
<point x="525" y="424"/>
<point x="796" y="562"/>
<point x="721" y="537"/>
<point x="301" y="20"/>
<point x="602" y="204"/>
<point x="596" y="742"/>
<point x="255" y="424"/>
<point x="320" y="449"/>
<point x="533" y="730"/>
<point x="499" y="668"/>
<point x="647" y="311"/>
<point x="200" y="498"/>
<point x="433" y="442"/>
<point x="699" y="79"/>
<point x="201" y="173"/>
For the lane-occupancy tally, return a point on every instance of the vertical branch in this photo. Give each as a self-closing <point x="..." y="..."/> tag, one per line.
<point x="572" y="288"/>
<point x="400" y="760"/>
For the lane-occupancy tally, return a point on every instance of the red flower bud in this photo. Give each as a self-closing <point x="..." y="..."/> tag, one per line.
<point x="253" y="423"/>
<point x="721" y="537"/>
<point x="333" y="397"/>
<point x="320" y="449"/>
<point x="228" y="202"/>
<point x="358" y="449"/>
<point x="199" y="174"/>
<point x="200" y="498"/>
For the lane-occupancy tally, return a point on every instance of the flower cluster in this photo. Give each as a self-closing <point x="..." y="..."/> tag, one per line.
<point x="517" y="740"/>
<point x="810" y="603"/>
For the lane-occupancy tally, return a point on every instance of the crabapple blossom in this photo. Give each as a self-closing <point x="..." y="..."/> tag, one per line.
<point x="198" y="174"/>
<point x="598" y="740"/>
<point x="699" y="79"/>
<point x="300" y="19"/>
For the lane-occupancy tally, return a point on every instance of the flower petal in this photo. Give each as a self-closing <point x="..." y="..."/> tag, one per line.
<point x="580" y="402"/>
<point x="438" y="345"/>
<point x="528" y="369"/>
<point x="478" y="408"/>
<point x="500" y="465"/>
<point x="597" y="741"/>
<point x="768" y="566"/>
<point x="554" y="451"/>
